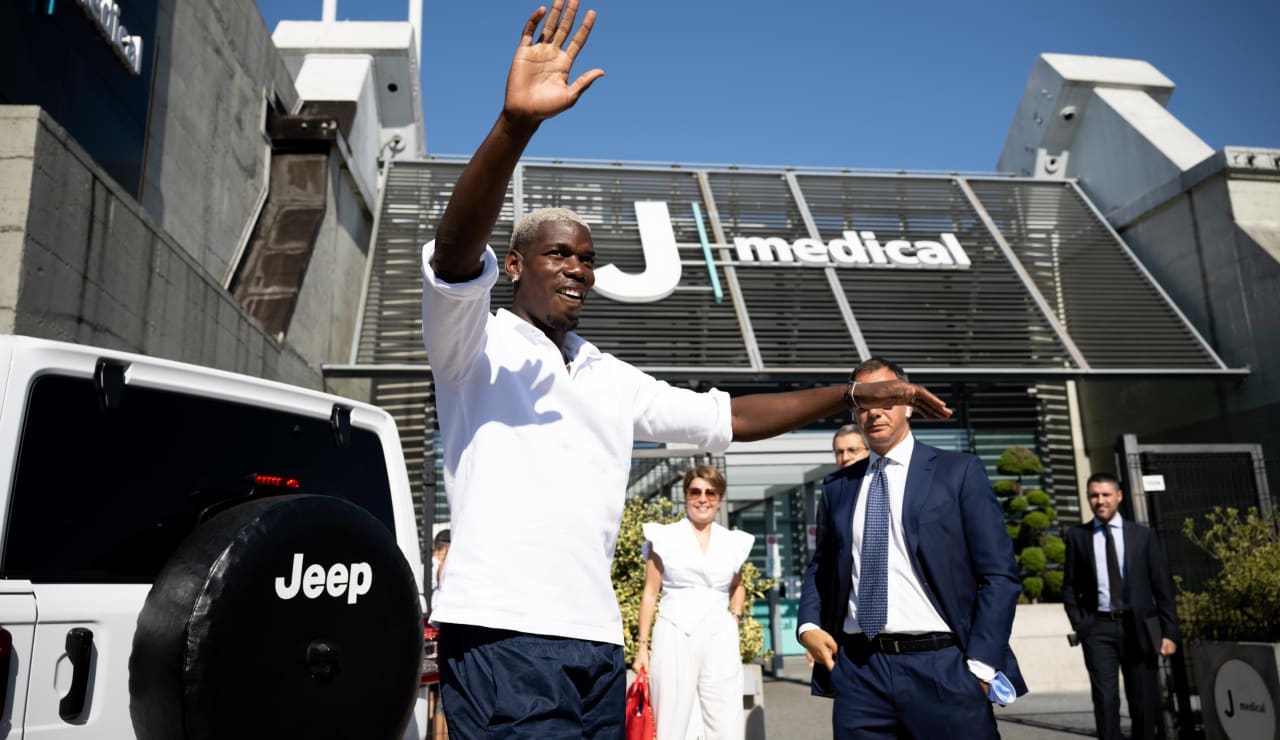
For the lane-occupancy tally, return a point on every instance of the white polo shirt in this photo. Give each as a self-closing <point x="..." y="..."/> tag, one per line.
<point x="536" y="461"/>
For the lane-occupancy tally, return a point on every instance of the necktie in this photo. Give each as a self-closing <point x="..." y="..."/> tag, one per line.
<point x="1113" y="571"/>
<point x="873" y="570"/>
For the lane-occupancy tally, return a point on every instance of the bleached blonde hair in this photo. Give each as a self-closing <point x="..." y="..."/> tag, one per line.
<point x="527" y="227"/>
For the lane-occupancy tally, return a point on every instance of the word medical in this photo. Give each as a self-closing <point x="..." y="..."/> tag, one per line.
<point x="859" y="249"/>
<point x="106" y="18"/>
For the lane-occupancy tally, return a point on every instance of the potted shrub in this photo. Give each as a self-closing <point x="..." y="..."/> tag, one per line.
<point x="1032" y="523"/>
<point x="1233" y="625"/>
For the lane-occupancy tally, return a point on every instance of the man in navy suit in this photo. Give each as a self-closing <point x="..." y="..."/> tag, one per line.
<point x="1119" y="597"/>
<point x="909" y="598"/>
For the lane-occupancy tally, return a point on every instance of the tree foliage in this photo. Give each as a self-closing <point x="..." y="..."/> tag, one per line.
<point x="1019" y="461"/>
<point x="1243" y="601"/>
<point x="1032" y="559"/>
<point x="628" y="577"/>
<point x="1055" y="549"/>
<point x="1032" y="524"/>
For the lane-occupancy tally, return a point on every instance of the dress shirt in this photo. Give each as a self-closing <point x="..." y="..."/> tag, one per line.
<point x="1100" y="557"/>
<point x="909" y="607"/>
<point x="536" y="460"/>
<point x="695" y="584"/>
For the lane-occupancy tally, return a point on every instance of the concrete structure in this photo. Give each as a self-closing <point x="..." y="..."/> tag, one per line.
<point x="361" y="63"/>
<point x="1205" y="223"/>
<point x="84" y="263"/>
<point x="234" y="232"/>
<point x="207" y="153"/>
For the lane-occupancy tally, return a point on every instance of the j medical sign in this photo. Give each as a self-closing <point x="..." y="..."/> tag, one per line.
<point x="105" y="17"/>
<point x="854" y="249"/>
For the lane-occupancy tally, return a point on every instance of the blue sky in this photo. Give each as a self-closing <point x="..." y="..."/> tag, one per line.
<point x="928" y="85"/>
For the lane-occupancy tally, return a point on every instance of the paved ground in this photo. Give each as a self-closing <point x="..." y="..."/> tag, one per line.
<point x="792" y="714"/>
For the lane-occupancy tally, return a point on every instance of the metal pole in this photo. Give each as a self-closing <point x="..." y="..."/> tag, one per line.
<point x="775" y="616"/>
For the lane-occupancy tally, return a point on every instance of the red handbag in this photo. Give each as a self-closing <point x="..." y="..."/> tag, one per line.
<point x="640" y="722"/>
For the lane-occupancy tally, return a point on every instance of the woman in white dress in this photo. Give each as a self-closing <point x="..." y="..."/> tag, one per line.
<point x="696" y="564"/>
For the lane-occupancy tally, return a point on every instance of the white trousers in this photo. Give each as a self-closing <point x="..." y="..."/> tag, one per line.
<point x="703" y="668"/>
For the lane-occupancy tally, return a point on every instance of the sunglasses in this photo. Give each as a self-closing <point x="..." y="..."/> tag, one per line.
<point x="709" y="494"/>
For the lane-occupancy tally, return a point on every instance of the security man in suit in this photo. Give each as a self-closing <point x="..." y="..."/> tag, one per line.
<point x="1119" y="597"/>
<point x="909" y="598"/>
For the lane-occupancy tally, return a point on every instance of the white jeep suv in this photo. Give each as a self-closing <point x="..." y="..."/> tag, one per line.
<point x="189" y="553"/>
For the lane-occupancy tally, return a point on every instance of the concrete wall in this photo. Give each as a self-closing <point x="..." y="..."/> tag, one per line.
<point x="1206" y="224"/>
<point x="1102" y="120"/>
<point x="1211" y="248"/>
<point x="324" y="320"/>
<point x="1131" y="128"/>
<point x="1048" y="662"/>
<point x="81" y="260"/>
<point x="83" y="263"/>
<point x="207" y="153"/>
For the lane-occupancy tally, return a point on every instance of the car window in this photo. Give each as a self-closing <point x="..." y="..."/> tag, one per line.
<point x="106" y="496"/>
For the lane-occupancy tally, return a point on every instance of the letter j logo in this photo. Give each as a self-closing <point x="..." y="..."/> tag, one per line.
<point x="661" y="258"/>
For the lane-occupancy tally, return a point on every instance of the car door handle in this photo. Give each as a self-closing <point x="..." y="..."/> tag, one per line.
<point x="79" y="652"/>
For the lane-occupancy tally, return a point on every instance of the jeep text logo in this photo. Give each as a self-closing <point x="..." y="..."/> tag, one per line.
<point x="859" y="249"/>
<point x="314" y="581"/>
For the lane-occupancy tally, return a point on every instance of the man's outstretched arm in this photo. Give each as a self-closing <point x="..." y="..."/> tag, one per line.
<point x="764" y="415"/>
<point x="538" y="88"/>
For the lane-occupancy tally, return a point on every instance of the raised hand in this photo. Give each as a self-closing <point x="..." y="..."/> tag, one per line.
<point x="889" y="393"/>
<point x="538" y="84"/>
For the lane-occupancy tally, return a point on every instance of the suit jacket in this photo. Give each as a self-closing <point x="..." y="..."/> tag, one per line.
<point x="1148" y="585"/>
<point x="958" y="546"/>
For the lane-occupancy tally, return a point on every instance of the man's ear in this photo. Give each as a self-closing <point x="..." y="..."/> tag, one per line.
<point x="511" y="264"/>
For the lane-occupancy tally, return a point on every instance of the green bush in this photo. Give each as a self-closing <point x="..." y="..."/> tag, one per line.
<point x="1019" y="461"/>
<point x="1032" y="559"/>
<point x="1005" y="488"/>
<point x="1031" y="523"/>
<point x="1243" y="602"/>
<point x="1037" y="521"/>
<point x="1037" y="497"/>
<point x="628" y="577"/>
<point x="1055" y="549"/>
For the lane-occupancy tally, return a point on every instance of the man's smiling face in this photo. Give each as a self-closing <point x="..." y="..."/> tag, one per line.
<point x="553" y="275"/>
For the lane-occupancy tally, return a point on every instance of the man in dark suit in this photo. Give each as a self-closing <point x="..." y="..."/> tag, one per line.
<point x="909" y="598"/>
<point x="1119" y="598"/>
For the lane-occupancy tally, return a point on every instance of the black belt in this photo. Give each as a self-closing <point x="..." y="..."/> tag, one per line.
<point x="895" y="644"/>
<point x="1117" y="616"/>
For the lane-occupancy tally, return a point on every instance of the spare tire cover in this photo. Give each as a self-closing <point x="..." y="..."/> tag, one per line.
<point x="288" y="617"/>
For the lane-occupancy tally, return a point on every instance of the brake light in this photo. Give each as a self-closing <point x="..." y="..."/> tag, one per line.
<point x="276" y="481"/>
<point x="430" y="654"/>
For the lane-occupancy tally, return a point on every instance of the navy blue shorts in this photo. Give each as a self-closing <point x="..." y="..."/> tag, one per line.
<point x="503" y="684"/>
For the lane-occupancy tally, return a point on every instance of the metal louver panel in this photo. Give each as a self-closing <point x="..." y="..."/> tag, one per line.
<point x="976" y="317"/>
<point x="794" y="314"/>
<point x="1116" y="316"/>
<point x="415" y="196"/>
<point x="1058" y="446"/>
<point x="411" y="402"/>
<point x="688" y="328"/>
<point x="1047" y="278"/>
